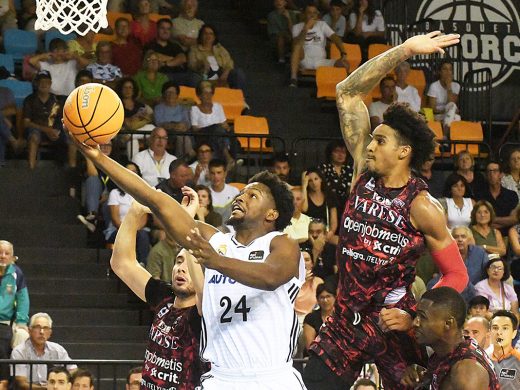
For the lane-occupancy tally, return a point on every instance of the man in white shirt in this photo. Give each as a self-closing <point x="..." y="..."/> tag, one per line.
<point x="221" y="193"/>
<point x="186" y="26"/>
<point x="388" y="96"/>
<point x="406" y="93"/>
<point x="155" y="161"/>
<point x="310" y="40"/>
<point x="200" y="167"/>
<point x="299" y="228"/>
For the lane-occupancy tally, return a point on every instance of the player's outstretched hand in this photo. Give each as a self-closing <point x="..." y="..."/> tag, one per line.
<point x="430" y="43"/>
<point x="190" y="200"/>
<point x="91" y="152"/>
<point x="138" y="209"/>
<point x="413" y="376"/>
<point x="202" y="250"/>
<point x="395" y="319"/>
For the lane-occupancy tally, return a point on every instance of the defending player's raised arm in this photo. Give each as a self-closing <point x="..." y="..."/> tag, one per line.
<point x="353" y="114"/>
<point x="124" y="260"/>
<point x="428" y="217"/>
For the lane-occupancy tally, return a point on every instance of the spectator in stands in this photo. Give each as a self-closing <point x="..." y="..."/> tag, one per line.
<point x="282" y="168"/>
<point x="180" y="175"/>
<point x="103" y="70"/>
<point x="58" y="378"/>
<point x="42" y="112"/>
<point x="97" y="187"/>
<point x="501" y="295"/>
<point x="306" y="299"/>
<point x="205" y="212"/>
<point x="27" y="16"/>
<point x="155" y="161"/>
<point x="119" y="203"/>
<point x="456" y="201"/>
<point x="62" y="66"/>
<point x="298" y="229"/>
<point x="474" y="257"/>
<point x="134" y="378"/>
<point x="432" y="177"/>
<point x="465" y="166"/>
<point x="364" y="384"/>
<point x="511" y="180"/>
<point x="82" y="379"/>
<point x="323" y="253"/>
<point x="137" y="114"/>
<point x="504" y="201"/>
<point x="150" y="80"/>
<point x="318" y="201"/>
<point x="200" y="166"/>
<point x="208" y="118"/>
<point x="15" y="305"/>
<point x="335" y="19"/>
<point x="279" y="27"/>
<point x="186" y="26"/>
<point x="406" y="93"/>
<point x="489" y="238"/>
<point x="172" y="59"/>
<point x="7" y="15"/>
<point x="83" y="77"/>
<point x="514" y="236"/>
<point x="172" y="115"/>
<point x="443" y="96"/>
<point x="161" y="259"/>
<point x="326" y="297"/>
<point x="478" y="328"/>
<point x="506" y="358"/>
<point x="366" y="26"/>
<point x="479" y="307"/>
<point x="7" y="115"/>
<point x="142" y="27"/>
<point x="37" y="347"/>
<point x="221" y="193"/>
<point x="84" y="46"/>
<point x="388" y="96"/>
<point x="337" y="171"/>
<point x="211" y="61"/>
<point x="127" y="52"/>
<point x="310" y="40"/>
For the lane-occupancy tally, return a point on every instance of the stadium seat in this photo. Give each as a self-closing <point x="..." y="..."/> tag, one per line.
<point x="238" y="185"/>
<point x="51" y="34"/>
<point x="157" y="17"/>
<point x="246" y="124"/>
<point x="418" y="80"/>
<point x="7" y="61"/>
<point x="187" y="95"/>
<point x="21" y="89"/>
<point x="377" y="48"/>
<point x="327" y="77"/>
<point x="113" y="16"/>
<point x="104" y="37"/>
<point x="436" y="127"/>
<point x="232" y="101"/>
<point x="466" y="131"/>
<point x="353" y="54"/>
<point x="19" y="43"/>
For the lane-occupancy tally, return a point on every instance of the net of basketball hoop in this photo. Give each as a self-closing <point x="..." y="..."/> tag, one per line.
<point x="80" y="16"/>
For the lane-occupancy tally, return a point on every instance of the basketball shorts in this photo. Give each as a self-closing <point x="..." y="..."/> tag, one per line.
<point x="287" y="378"/>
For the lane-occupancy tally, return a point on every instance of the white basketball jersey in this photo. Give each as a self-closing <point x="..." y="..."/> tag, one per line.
<point x="244" y="327"/>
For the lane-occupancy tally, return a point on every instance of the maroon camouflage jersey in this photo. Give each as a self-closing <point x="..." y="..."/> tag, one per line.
<point x="439" y="368"/>
<point x="171" y="359"/>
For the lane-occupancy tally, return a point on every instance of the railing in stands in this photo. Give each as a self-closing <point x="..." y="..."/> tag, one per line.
<point x="309" y="151"/>
<point x="475" y="98"/>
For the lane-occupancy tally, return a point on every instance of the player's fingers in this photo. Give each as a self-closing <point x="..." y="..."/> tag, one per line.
<point x="433" y="34"/>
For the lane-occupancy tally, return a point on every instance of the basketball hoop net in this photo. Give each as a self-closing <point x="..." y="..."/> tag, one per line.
<point x="68" y="16"/>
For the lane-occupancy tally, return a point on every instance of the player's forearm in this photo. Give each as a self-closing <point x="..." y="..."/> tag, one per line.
<point x="124" y="247"/>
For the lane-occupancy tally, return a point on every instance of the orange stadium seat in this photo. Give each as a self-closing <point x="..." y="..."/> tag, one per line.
<point x="326" y="79"/>
<point x="157" y="17"/>
<point x="245" y="124"/>
<point x="104" y="37"/>
<point x="238" y="185"/>
<point x="232" y="101"/>
<point x="466" y="131"/>
<point x="377" y="48"/>
<point x="353" y="54"/>
<point x="436" y="127"/>
<point x="418" y="80"/>
<point x="187" y="95"/>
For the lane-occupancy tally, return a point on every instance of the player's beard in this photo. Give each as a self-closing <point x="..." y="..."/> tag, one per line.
<point x="184" y="291"/>
<point x="235" y="222"/>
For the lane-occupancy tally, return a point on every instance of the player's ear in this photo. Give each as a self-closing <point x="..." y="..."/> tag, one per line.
<point x="450" y="323"/>
<point x="272" y="215"/>
<point x="405" y="151"/>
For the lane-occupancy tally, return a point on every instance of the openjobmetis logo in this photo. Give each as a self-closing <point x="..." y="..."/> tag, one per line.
<point x="489" y="32"/>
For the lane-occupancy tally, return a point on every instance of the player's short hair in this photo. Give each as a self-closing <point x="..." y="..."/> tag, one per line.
<point x="449" y="299"/>
<point x="411" y="129"/>
<point x="478" y="300"/>
<point x="59" y="370"/>
<point x="508" y="314"/>
<point x="364" y="382"/>
<point x="82" y="373"/>
<point x="282" y="196"/>
<point x="133" y="370"/>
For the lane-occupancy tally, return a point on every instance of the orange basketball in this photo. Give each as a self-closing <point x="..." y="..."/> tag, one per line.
<point x="93" y="113"/>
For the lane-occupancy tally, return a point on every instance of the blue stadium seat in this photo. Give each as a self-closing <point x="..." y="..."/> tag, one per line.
<point x="51" y="34"/>
<point x="21" y="89"/>
<point x="7" y="61"/>
<point x="19" y="43"/>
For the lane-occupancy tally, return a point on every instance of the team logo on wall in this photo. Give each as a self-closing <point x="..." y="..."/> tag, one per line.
<point x="489" y="32"/>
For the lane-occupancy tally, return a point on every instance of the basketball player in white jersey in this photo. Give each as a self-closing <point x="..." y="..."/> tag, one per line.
<point x="252" y="278"/>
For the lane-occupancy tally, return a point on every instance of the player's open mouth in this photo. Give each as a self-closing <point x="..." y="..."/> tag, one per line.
<point x="180" y="279"/>
<point x="236" y="207"/>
